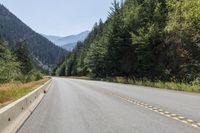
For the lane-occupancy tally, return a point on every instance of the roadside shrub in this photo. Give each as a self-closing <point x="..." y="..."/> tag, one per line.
<point x="38" y="75"/>
<point x="33" y="75"/>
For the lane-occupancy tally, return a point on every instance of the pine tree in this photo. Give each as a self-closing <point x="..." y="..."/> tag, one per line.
<point x="23" y="57"/>
<point x="9" y="67"/>
<point x="144" y="39"/>
<point x="116" y="43"/>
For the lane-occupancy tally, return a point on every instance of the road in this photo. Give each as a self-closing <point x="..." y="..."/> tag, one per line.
<point x="81" y="106"/>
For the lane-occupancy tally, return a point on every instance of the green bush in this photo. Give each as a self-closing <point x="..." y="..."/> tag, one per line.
<point x="9" y="67"/>
<point x="39" y="76"/>
<point x="33" y="75"/>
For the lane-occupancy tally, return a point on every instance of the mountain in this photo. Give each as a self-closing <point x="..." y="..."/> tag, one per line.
<point x="72" y="38"/>
<point x="69" y="46"/>
<point x="68" y="42"/>
<point x="43" y="52"/>
<point x="51" y="37"/>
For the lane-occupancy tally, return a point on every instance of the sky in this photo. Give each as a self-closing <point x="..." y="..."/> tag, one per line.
<point x="59" y="17"/>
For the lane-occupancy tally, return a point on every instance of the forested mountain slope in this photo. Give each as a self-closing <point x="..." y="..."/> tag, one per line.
<point x="142" y="39"/>
<point x="44" y="53"/>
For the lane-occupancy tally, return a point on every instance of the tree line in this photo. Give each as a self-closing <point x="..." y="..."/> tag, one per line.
<point x="43" y="52"/>
<point x="16" y="65"/>
<point x="141" y="39"/>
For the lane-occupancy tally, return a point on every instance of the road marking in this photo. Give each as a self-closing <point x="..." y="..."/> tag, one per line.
<point x="184" y="122"/>
<point x="195" y="125"/>
<point x="175" y="118"/>
<point x="190" y="120"/>
<point x="181" y="117"/>
<point x="163" y="112"/>
<point x="166" y="112"/>
<point x="160" y="111"/>
<point x="173" y="114"/>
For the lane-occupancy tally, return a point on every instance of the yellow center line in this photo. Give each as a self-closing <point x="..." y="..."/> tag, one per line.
<point x="190" y="120"/>
<point x="181" y="117"/>
<point x="166" y="112"/>
<point x="195" y="125"/>
<point x="175" y="118"/>
<point x="159" y="110"/>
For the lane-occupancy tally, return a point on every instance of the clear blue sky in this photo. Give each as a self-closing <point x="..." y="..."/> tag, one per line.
<point x="59" y="17"/>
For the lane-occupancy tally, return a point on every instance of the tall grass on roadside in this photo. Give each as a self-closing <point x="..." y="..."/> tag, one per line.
<point x="181" y="86"/>
<point x="12" y="91"/>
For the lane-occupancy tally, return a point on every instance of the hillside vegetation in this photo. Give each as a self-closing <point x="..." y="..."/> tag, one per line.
<point x="151" y="40"/>
<point x="17" y="65"/>
<point x="43" y="52"/>
<point x="13" y="91"/>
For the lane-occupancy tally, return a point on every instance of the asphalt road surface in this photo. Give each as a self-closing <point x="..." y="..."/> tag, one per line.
<point x="81" y="106"/>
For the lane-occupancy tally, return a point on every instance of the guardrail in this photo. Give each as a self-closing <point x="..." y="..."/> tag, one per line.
<point x="14" y="115"/>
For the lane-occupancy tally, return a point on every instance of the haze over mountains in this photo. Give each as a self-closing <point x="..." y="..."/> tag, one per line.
<point x="68" y="42"/>
<point x="42" y="51"/>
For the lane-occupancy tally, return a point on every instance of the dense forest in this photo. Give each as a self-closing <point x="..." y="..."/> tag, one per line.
<point x="141" y="39"/>
<point x="17" y="65"/>
<point x="43" y="52"/>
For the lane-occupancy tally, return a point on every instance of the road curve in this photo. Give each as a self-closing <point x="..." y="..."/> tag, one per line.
<point x="81" y="106"/>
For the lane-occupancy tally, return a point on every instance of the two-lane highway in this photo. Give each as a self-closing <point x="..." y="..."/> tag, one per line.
<point x="81" y="106"/>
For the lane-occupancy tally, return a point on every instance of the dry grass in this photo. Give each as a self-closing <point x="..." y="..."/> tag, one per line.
<point x="13" y="91"/>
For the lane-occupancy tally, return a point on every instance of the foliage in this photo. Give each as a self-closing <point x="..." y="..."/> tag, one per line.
<point x="22" y="54"/>
<point x="13" y="91"/>
<point x="43" y="52"/>
<point x="9" y="67"/>
<point x="17" y="66"/>
<point x="144" y="39"/>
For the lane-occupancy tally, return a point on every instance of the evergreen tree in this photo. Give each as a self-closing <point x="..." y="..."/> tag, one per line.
<point x="23" y="57"/>
<point x="43" y="52"/>
<point x="9" y="67"/>
<point x="144" y="39"/>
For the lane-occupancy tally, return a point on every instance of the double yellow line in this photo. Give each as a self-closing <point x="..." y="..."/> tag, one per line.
<point x="157" y="110"/>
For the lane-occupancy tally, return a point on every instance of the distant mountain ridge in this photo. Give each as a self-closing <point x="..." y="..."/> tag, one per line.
<point x="51" y="37"/>
<point x="68" y="42"/>
<point x="69" y="46"/>
<point x="43" y="52"/>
